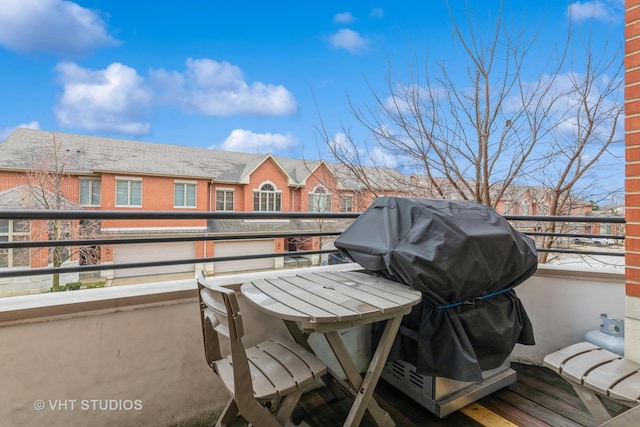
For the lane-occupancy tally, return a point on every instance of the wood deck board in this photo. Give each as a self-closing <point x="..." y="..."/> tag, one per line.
<point x="558" y="387"/>
<point x="539" y="398"/>
<point x="562" y="393"/>
<point x="408" y="413"/>
<point x="511" y="413"/>
<point x="320" y="407"/>
<point x="550" y="405"/>
<point x="544" y="375"/>
<point x="541" y="412"/>
<point x="526" y="403"/>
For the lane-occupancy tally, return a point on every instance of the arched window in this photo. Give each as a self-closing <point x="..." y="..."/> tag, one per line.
<point x="267" y="198"/>
<point x="320" y="200"/>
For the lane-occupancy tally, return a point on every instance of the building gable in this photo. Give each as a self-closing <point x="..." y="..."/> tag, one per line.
<point x="257" y="166"/>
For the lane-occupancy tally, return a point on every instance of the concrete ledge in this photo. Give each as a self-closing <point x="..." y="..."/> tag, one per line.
<point x="586" y="273"/>
<point x="60" y="305"/>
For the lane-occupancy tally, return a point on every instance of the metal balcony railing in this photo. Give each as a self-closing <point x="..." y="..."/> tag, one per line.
<point x="553" y="234"/>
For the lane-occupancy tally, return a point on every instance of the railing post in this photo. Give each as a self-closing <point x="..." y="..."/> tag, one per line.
<point x="632" y="182"/>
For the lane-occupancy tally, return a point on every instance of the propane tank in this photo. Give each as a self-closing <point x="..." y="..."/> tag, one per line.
<point x="610" y="336"/>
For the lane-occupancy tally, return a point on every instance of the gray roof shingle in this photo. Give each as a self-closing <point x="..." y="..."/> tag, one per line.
<point x="21" y="197"/>
<point x="92" y="154"/>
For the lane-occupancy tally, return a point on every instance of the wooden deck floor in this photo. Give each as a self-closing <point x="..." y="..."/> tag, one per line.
<point x="539" y="397"/>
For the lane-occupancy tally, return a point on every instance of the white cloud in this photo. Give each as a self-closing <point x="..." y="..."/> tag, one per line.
<point x="376" y="13"/>
<point x="341" y="144"/>
<point x="401" y="100"/>
<point x="349" y="40"/>
<point x="109" y="100"/>
<point x="116" y="99"/>
<point x="383" y="158"/>
<point x="54" y="26"/>
<point x="344" y="147"/>
<point x="602" y="10"/>
<point x="259" y="143"/>
<point x="218" y="89"/>
<point x="343" y="18"/>
<point x="566" y="103"/>
<point x="5" y="132"/>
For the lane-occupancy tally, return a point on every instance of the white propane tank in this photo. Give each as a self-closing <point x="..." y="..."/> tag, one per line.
<point x="610" y="336"/>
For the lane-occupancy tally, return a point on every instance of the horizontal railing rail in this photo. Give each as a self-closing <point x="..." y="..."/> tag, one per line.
<point x="154" y="215"/>
<point x="318" y="218"/>
<point x="560" y="218"/>
<point x="166" y="239"/>
<point x="529" y="225"/>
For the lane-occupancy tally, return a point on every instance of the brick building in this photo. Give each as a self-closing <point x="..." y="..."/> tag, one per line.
<point x="632" y="183"/>
<point x="114" y="174"/>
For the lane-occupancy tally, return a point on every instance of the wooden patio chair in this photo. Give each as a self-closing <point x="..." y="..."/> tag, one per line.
<point x="265" y="381"/>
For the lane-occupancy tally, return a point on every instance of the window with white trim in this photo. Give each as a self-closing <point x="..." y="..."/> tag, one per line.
<point x="507" y="208"/>
<point x="543" y="208"/>
<point x="224" y="200"/>
<point x="346" y="203"/>
<point x="90" y="191"/>
<point x="320" y="200"/>
<point x="129" y="192"/>
<point x="267" y="198"/>
<point x="14" y="231"/>
<point x="184" y="194"/>
<point x="525" y="208"/>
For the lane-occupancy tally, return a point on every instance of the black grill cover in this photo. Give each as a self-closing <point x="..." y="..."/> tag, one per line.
<point x="465" y="259"/>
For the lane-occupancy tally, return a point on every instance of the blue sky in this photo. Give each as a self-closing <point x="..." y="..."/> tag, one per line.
<point x="250" y="76"/>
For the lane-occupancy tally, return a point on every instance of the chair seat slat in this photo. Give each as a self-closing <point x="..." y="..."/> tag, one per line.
<point x="263" y="390"/>
<point x="557" y="359"/>
<point x="315" y="365"/>
<point x="604" y="377"/>
<point x="295" y="359"/>
<point x="627" y="389"/>
<point x="578" y="367"/>
<point x="268" y="374"/>
<point x="278" y="366"/>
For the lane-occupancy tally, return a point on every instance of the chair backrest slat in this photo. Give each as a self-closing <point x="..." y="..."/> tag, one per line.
<point x="222" y="305"/>
<point x="218" y="318"/>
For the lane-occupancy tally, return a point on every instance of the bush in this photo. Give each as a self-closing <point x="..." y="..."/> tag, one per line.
<point x="95" y="285"/>
<point x="71" y="286"/>
<point x="74" y="286"/>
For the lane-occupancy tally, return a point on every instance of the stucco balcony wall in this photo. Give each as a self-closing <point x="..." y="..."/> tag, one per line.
<point x="564" y="303"/>
<point x="146" y="359"/>
<point x="133" y="355"/>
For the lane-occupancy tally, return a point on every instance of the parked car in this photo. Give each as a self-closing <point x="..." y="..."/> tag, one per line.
<point x="596" y="241"/>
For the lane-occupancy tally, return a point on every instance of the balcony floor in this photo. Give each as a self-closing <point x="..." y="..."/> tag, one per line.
<point x="539" y="397"/>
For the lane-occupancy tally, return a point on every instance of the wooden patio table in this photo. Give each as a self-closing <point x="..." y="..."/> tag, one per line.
<point x="327" y="302"/>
